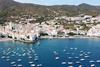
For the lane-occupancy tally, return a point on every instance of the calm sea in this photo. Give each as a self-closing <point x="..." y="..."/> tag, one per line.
<point x="51" y="53"/>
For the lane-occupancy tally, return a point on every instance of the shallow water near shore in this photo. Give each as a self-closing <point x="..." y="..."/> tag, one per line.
<point x="51" y="53"/>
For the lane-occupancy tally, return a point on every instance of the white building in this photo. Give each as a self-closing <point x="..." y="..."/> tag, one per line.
<point x="94" y="31"/>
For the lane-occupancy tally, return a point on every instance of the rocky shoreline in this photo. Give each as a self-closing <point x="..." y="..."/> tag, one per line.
<point x="48" y="37"/>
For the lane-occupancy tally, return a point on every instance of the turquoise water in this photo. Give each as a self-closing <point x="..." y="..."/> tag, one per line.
<point x="51" y="53"/>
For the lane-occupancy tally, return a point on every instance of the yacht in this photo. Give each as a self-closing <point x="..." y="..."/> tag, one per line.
<point x="30" y="62"/>
<point x="70" y="63"/>
<point x="32" y="65"/>
<point x="20" y="65"/>
<point x="92" y="65"/>
<point x="98" y="61"/>
<point x="56" y="58"/>
<point x="39" y="65"/>
<point x="91" y="61"/>
<point x="63" y="63"/>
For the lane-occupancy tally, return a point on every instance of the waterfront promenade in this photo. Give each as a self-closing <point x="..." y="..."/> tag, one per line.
<point x="5" y="39"/>
<point x="49" y="37"/>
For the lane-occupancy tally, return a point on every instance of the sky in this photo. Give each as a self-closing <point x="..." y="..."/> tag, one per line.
<point x="61" y="2"/>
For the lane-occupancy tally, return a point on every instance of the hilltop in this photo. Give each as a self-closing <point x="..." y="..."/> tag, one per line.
<point x="11" y="7"/>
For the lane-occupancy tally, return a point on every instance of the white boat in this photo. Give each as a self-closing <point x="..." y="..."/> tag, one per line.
<point x="69" y="57"/>
<point x="36" y="58"/>
<point x="55" y="53"/>
<point x="63" y="63"/>
<point x="70" y="63"/>
<point x="7" y="59"/>
<point x="91" y="61"/>
<point x="98" y="61"/>
<point x="12" y="62"/>
<point x="78" y="62"/>
<point x="92" y="65"/>
<point x="19" y="60"/>
<point x="56" y="58"/>
<point x="64" y="50"/>
<point x="75" y="48"/>
<point x="39" y="65"/>
<point x="86" y="56"/>
<point x="30" y="62"/>
<point x="76" y="57"/>
<point x="3" y="57"/>
<point x="71" y="48"/>
<point x="30" y="57"/>
<point x="82" y="59"/>
<point x="80" y="66"/>
<point x="70" y="66"/>
<point x="32" y="65"/>
<point x="14" y="65"/>
<point x="19" y="65"/>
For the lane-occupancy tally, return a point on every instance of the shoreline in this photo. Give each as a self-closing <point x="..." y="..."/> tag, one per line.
<point x="5" y="39"/>
<point x="68" y="37"/>
<point x="48" y="37"/>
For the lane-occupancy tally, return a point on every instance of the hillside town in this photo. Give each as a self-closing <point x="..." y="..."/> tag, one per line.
<point x="27" y="29"/>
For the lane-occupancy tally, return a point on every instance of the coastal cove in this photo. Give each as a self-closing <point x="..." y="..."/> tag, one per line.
<point x="51" y="53"/>
<point x="34" y="33"/>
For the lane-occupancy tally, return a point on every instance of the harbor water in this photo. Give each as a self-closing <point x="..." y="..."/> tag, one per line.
<point x="75" y="52"/>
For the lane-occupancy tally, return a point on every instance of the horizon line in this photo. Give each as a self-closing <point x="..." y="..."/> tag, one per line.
<point x="57" y="4"/>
